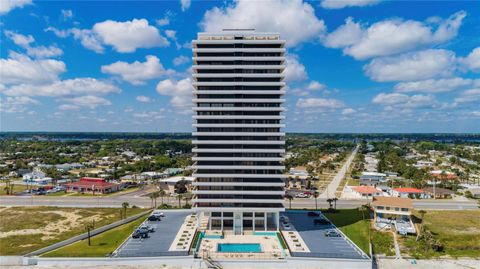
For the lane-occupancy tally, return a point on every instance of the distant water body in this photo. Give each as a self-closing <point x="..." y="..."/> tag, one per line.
<point x="90" y="136"/>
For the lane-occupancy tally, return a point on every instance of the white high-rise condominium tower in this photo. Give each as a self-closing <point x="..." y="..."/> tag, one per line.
<point x="238" y="138"/>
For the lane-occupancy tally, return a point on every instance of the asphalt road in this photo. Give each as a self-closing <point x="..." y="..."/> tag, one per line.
<point x="333" y="186"/>
<point x="73" y="201"/>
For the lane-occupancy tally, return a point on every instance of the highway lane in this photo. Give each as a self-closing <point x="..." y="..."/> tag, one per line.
<point x="73" y="201"/>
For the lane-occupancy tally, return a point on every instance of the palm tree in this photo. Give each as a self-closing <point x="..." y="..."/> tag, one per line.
<point x="180" y="197"/>
<point x="155" y="195"/>
<point x="161" y="192"/>
<point x="330" y="201"/>
<point x="150" y="195"/>
<point x="335" y="199"/>
<point x="315" y="195"/>
<point x="125" y="206"/>
<point x="290" y="198"/>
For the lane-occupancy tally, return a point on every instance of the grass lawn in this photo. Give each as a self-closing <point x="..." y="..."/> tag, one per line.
<point x="351" y="223"/>
<point x="25" y="229"/>
<point x="17" y="188"/>
<point x="101" y="245"/>
<point x="383" y="243"/>
<point x="458" y="232"/>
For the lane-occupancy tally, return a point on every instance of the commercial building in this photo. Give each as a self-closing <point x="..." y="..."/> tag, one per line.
<point x="238" y="141"/>
<point x="92" y="185"/>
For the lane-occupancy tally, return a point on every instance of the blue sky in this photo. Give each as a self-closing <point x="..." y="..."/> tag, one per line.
<point x="352" y="66"/>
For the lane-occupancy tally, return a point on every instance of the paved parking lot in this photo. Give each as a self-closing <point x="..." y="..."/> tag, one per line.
<point x="159" y="241"/>
<point x="317" y="242"/>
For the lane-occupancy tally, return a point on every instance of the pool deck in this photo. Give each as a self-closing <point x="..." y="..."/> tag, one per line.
<point x="270" y="247"/>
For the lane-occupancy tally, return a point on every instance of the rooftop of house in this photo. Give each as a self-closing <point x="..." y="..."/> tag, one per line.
<point x="393" y="202"/>
<point x="366" y="189"/>
<point x="408" y="190"/>
<point x="439" y="191"/>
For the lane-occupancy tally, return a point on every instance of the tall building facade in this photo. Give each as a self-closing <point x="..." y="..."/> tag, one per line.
<point x="238" y="138"/>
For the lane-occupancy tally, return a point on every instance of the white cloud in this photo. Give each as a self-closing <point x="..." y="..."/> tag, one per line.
<point x="476" y="113"/>
<point x="294" y="71"/>
<point x="37" y="52"/>
<point x="403" y="101"/>
<point x="468" y="96"/>
<point x="319" y="104"/>
<point x="137" y="72"/>
<point x="89" y="101"/>
<point x="87" y="37"/>
<point x="472" y="61"/>
<point x="392" y="36"/>
<point x="180" y="91"/>
<point x="22" y="69"/>
<point x="66" y="14"/>
<point x="16" y="104"/>
<point x="143" y="99"/>
<point x="163" y="21"/>
<point x="149" y="115"/>
<point x="185" y="4"/>
<point x="7" y="5"/>
<point x="348" y="111"/>
<point x="337" y="4"/>
<point x="435" y="85"/>
<point x="124" y="37"/>
<point x="419" y="65"/>
<point x="315" y="86"/>
<point x="64" y="88"/>
<point x="293" y="19"/>
<point x="345" y="35"/>
<point x="129" y="35"/>
<point x="180" y="60"/>
<point x="68" y="107"/>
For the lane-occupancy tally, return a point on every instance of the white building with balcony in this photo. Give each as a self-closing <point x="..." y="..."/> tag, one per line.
<point x="238" y="138"/>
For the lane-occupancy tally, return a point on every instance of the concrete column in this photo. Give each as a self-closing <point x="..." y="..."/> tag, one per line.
<point x="277" y="220"/>
<point x="221" y="225"/>
<point x="265" y="221"/>
<point x="253" y="221"/>
<point x="210" y="220"/>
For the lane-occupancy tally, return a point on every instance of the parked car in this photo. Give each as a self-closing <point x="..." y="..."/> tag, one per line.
<point x="158" y="213"/>
<point x="154" y="218"/>
<point x="321" y="221"/>
<point x="140" y="233"/>
<point x="301" y="195"/>
<point x="286" y="225"/>
<point x="147" y="228"/>
<point x="313" y="214"/>
<point x="332" y="233"/>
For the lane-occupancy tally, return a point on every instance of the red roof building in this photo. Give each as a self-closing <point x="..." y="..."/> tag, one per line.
<point x="409" y="192"/>
<point x="92" y="185"/>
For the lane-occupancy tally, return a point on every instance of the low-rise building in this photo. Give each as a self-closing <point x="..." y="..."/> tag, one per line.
<point x="439" y="193"/>
<point x="168" y="184"/>
<point x="363" y="191"/>
<point x="409" y="193"/>
<point x="92" y="185"/>
<point x="393" y="212"/>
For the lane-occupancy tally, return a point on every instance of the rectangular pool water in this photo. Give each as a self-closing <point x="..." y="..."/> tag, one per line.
<point x="226" y="247"/>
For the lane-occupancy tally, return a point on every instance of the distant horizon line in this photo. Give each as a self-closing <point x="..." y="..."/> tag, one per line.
<point x="183" y="132"/>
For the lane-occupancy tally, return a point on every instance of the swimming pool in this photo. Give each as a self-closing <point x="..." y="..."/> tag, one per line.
<point x="230" y="247"/>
